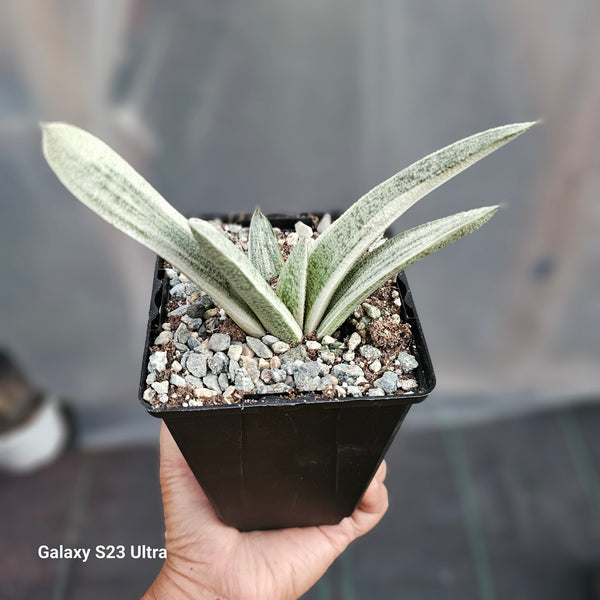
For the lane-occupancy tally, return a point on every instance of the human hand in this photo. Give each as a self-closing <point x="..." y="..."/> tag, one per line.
<point x="206" y="559"/>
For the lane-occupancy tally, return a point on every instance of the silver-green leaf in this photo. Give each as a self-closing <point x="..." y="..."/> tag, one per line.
<point x="263" y="249"/>
<point x="291" y="286"/>
<point x="378" y="266"/>
<point x="242" y="276"/>
<point x="341" y="245"/>
<point x="107" y="184"/>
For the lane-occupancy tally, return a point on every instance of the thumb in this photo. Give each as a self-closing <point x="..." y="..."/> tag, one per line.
<point x="182" y="494"/>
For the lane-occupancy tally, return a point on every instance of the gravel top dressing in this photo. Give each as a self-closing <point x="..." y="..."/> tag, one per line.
<point x="202" y="357"/>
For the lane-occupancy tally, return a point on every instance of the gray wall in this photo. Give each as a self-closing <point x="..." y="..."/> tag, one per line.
<point x="305" y="106"/>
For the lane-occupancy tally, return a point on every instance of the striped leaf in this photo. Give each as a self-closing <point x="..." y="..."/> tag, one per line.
<point x="243" y="277"/>
<point x="263" y="248"/>
<point x="342" y="244"/>
<point x="291" y="286"/>
<point x="378" y="266"/>
<point x="108" y="185"/>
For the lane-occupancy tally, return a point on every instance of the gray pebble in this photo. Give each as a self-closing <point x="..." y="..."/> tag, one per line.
<point x="158" y="361"/>
<point x="151" y="378"/>
<point x="219" y="342"/>
<point x="177" y="380"/>
<point x="269" y="339"/>
<point x="260" y="349"/>
<point x="243" y="381"/>
<point x="294" y="354"/>
<point x="182" y="335"/>
<point x="178" y="291"/>
<point x="234" y="367"/>
<point x="223" y="381"/>
<point x="218" y="363"/>
<point x="179" y="311"/>
<point x="194" y="382"/>
<point x="181" y="347"/>
<point x="264" y="389"/>
<point x="212" y="383"/>
<point x="310" y="368"/>
<point x="278" y="375"/>
<point x="370" y="352"/>
<point x="347" y="373"/>
<point x="196" y="364"/>
<point x="194" y="324"/>
<point x="407" y="361"/>
<point x="171" y="273"/>
<point x="306" y="383"/>
<point x="194" y="343"/>
<point x="388" y="382"/>
<point x="324" y="369"/>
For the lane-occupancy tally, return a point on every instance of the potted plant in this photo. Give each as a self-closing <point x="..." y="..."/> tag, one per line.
<point x="283" y="360"/>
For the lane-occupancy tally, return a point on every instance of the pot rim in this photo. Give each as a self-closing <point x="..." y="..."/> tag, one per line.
<point x="157" y="316"/>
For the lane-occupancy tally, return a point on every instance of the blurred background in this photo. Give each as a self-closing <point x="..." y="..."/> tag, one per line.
<point x="297" y="106"/>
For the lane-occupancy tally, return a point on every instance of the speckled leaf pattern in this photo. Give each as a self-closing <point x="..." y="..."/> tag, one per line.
<point x="291" y="287"/>
<point x="107" y="184"/>
<point x="378" y="266"/>
<point x="242" y="276"/>
<point x="263" y="249"/>
<point x="346" y="239"/>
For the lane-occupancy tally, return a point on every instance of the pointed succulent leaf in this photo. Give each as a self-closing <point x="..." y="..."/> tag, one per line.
<point x="107" y="184"/>
<point x="263" y="248"/>
<point x="347" y="238"/>
<point x="378" y="266"/>
<point x="291" y="286"/>
<point x="248" y="283"/>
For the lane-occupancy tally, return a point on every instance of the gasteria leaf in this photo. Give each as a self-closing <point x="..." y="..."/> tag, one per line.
<point x="396" y="254"/>
<point x="291" y="286"/>
<point x="344" y="241"/>
<point x="242" y="276"/>
<point x="263" y="249"/>
<point x="107" y="184"/>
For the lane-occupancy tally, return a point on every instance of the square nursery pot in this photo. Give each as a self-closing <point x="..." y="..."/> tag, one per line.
<point x="275" y="461"/>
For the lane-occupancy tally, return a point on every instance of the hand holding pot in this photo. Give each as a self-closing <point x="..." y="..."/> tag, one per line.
<point x="207" y="559"/>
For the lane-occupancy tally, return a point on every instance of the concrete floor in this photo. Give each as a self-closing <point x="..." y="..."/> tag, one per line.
<point x="506" y="510"/>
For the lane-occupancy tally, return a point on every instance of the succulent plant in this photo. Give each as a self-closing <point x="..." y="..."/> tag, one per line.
<point x="323" y="280"/>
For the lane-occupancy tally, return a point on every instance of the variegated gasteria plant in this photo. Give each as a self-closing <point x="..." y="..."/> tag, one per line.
<point x="323" y="280"/>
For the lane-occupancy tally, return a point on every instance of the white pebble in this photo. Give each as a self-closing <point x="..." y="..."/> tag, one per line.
<point x="354" y="341"/>
<point x="303" y="230"/>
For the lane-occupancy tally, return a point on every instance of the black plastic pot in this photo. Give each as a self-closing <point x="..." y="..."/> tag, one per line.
<point x="273" y="461"/>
